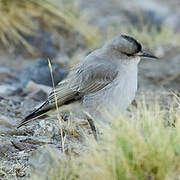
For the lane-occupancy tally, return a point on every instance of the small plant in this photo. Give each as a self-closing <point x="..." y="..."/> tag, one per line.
<point x="139" y="145"/>
<point x="149" y="35"/>
<point x="21" y="17"/>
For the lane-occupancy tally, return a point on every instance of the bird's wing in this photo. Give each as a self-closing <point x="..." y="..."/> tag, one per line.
<point x="95" y="77"/>
<point x="85" y="79"/>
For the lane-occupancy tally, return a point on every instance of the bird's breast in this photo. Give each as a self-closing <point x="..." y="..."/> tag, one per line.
<point x="124" y="91"/>
<point x="118" y="94"/>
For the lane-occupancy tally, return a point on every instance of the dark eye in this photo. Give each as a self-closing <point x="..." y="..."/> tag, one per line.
<point x="129" y="55"/>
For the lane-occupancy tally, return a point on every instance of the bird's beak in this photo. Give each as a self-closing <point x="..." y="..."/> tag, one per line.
<point x="146" y="54"/>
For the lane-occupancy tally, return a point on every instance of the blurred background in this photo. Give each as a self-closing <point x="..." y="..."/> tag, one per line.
<point x="66" y="31"/>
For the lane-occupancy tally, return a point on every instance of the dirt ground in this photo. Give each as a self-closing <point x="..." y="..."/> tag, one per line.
<point x="19" y="148"/>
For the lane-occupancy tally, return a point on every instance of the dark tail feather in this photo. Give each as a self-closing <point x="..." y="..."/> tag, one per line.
<point x="34" y="115"/>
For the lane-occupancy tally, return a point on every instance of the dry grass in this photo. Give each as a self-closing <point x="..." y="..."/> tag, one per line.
<point x="20" y="17"/>
<point x="150" y="36"/>
<point x="138" y="146"/>
<point x="57" y="109"/>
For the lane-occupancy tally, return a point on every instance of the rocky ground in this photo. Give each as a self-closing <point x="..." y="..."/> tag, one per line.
<point x="26" y="82"/>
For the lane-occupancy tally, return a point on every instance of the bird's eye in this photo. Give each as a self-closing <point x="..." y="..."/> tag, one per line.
<point x="129" y="55"/>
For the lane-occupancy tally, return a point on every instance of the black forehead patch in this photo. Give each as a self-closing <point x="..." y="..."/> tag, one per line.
<point x="134" y="41"/>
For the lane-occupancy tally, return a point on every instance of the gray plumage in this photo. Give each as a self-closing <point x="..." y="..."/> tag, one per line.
<point x="107" y="77"/>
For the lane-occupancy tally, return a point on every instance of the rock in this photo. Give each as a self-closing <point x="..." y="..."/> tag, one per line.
<point x="21" y="146"/>
<point x="119" y="13"/>
<point x="5" y="121"/>
<point x="33" y="87"/>
<point x="48" y="128"/>
<point x="8" y="126"/>
<point x="11" y="107"/>
<point x="43" y="42"/>
<point x="6" y="146"/>
<point x="39" y="96"/>
<point x="6" y="89"/>
<point x="44" y="156"/>
<point x="160" y="74"/>
<point x="37" y="92"/>
<point x="149" y="18"/>
<point x="38" y="71"/>
<point x="36" y="140"/>
<point x="12" y="170"/>
<point x="62" y="59"/>
<point x="6" y="75"/>
<point x="18" y="92"/>
<point x="161" y="9"/>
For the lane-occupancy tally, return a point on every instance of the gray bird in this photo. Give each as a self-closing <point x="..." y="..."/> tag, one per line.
<point x="107" y="77"/>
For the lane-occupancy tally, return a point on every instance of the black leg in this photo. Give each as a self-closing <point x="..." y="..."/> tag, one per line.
<point x="93" y="128"/>
<point x="65" y="116"/>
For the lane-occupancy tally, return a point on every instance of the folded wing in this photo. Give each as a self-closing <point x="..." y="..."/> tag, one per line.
<point x="85" y="79"/>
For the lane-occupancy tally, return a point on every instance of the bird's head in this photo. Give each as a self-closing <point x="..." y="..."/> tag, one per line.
<point x="127" y="45"/>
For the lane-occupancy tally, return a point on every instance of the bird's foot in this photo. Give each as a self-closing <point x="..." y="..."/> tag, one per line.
<point x="93" y="128"/>
<point x="65" y="116"/>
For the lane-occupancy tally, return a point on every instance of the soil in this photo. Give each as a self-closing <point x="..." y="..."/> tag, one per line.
<point x="26" y="148"/>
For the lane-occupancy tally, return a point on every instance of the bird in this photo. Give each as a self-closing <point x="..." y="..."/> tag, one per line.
<point x="106" y="77"/>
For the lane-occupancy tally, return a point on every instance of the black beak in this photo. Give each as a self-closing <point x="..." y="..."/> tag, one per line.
<point x="146" y="54"/>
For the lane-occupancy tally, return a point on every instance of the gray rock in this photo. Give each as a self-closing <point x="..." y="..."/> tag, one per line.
<point x="44" y="157"/>
<point x="119" y="13"/>
<point x="43" y="42"/>
<point x="7" y="125"/>
<point x="38" y="71"/>
<point x="161" y="74"/>
<point x="33" y="87"/>
<point x="149" y="18"/>
<point x="6" y="89"/>
<point x="6" y="146"/>
<point x="6" y="74"/>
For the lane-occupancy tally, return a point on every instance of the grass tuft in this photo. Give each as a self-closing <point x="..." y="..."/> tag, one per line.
<point x="21" y="17"/>
<point x="148" y="35"/>
<point x="138" y="146"/>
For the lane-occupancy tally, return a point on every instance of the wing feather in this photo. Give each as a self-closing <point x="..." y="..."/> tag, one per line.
<point x="89" y="77"/>
<point x="83" y="81"/>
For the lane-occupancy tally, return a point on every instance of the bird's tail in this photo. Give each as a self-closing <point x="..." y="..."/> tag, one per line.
<point x="34" y="115"/>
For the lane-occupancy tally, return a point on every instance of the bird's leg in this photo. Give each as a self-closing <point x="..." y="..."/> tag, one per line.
<point x="91" y="123"/>
<point x="93" y="128"/>
<point x="65" y="116"/>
